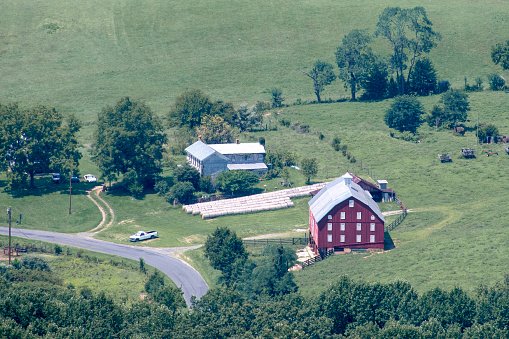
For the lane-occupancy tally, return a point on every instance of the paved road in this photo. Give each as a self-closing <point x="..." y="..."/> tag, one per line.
<point x="181" y="273"/>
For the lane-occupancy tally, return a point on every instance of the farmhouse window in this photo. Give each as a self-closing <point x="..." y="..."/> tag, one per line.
<point x="342" y="238"/>
<point x="329" y="237"/>
<point x="372" y="217"/>
<point x="359" y="227"/>
<point x="372" y="238"/>
<point x="359" y="215"/>
<point x="359" y="238"/>
<point x="342" y="215"/>
<point x="372" y="227"/>
<point x="329" y="226"/>
<point x="342" y="226"/>
<point x="350" y="203"/>
<point x="329" y="217"/>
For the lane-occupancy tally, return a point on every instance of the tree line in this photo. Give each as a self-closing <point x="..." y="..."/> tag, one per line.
<point x="35" y="303"/>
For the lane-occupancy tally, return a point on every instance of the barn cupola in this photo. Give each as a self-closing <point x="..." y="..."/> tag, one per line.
<point x="348" y="179"/>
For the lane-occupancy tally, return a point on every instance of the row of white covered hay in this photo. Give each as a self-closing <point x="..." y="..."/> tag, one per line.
<point x="247" y="205"/>
<point x="249" y="209"/>
<point x="250" y="203"/>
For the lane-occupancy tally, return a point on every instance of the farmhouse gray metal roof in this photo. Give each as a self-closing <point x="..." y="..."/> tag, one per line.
<point x="338" y="191"/>
<point x="243" y="148"/>
<point x="202" y="151"/>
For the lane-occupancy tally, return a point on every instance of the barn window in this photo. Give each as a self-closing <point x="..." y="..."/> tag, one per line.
<point x="359" y="238"/>
<point x="342" y="215"/>
<point x="372" y="227"/>
<point x="359" y="227"/>
<point x="329" y="226"/>
<point x="329" y="237"/>
<point x="372" y="238"/>
<point x="359" y="215"/>
<point x="350" y="203"/>
<point x="342" y="226"/>
<point x="342" y="238"/>
<point x="329" y="217"/>
<point x="372" y="217"/>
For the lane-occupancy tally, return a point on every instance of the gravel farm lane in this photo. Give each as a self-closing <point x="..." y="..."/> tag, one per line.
<point x="181" y="273"/>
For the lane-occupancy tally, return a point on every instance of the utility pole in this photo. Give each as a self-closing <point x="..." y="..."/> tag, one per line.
<point x="70" y="191"/>
<point x="9" y="214"/>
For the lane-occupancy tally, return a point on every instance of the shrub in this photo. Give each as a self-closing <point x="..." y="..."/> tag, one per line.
<point x="58" y="249"/>
<point x="277" y="97"/>
<point x="261" y="140"/>
<point x="206" y="184"/>
<point x="442" y="86"/>
<point x="35" y="263"/>
<point x="182" y="192"/>
<point x="497" y="82"/>
<point x="187" y="173"/>
<point x="336" y="144"/>
<point x="162" y="187"/>
<point x="488" y="131"/>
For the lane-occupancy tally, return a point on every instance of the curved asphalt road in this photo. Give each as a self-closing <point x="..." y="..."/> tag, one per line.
<point x="181" y="273"/>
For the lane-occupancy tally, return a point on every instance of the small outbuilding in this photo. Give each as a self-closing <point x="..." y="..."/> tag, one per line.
<point x="343" y="215"/>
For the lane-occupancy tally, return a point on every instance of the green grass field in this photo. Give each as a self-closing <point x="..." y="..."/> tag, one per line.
<point x="81" y="56"/>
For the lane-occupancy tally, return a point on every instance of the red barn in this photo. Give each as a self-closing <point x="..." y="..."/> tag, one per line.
<point x="343" y="215"/>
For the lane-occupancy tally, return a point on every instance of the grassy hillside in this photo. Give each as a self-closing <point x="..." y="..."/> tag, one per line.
<point x="80" y="56"/>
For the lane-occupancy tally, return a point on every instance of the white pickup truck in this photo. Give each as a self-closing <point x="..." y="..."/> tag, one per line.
<point x="142" y="235"/>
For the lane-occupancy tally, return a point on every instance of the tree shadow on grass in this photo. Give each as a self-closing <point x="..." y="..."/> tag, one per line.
<point x="43" y="185"/>
<point x="388" y="243"/>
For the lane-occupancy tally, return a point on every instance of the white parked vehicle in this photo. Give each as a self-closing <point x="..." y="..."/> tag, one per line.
<point x="90" y="178"/>
<point x="142" y="235"/>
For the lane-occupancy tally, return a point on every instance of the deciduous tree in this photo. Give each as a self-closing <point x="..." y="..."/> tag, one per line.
<point x="189" y="108"/>
<point x="129" y="140"/>
<point x="322" y="75"/>
<point x="37" y="139"/>
<point x="354" y="57"/>
<point x="215" y="130"/>
<point x="500" y="54"/>
<point x="410" y="33"/>
<point x="236" y="181"/>
<point x="404" y="114"/>
<point x="309" y="167"/>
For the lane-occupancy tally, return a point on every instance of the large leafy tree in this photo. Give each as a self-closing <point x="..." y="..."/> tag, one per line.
<point x="411" y="34"/>
<point x="215" y="130"/>
<point x="375" y="83"/>
<point x="129" y="140"/>
<point x="404" y="114"/>
<point x="37" y="139"/>
<point x="354" y="57"/>
<point x="455" y="105"/>
<point x="500" y="54"/>
<point x="322" y="75"/>
<point x="225" y="251"/>
<point x="236" y="181"/>
<point x="309" y="167"/>
<point x="189" y="108"/>
<point x="423" y="79"/>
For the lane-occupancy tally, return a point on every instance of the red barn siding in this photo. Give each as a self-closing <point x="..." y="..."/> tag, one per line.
<point x="320" y="231"/>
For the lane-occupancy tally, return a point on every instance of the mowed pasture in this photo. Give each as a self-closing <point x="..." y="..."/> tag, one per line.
<point x="80" y="57"/>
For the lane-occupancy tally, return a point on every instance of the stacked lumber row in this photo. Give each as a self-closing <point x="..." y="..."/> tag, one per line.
<point x="254" y="203"/>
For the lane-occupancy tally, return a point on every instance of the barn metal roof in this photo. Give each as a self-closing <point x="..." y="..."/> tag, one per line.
<point x="338" y="191"/>
<point x="202" y="151"/>
<point x="242" y="148"/>
<point x="254" y="166"/>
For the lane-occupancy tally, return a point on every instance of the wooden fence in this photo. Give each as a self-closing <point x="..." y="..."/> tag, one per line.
<point x="317" y="258"/>
<point x="399" y="220"/>
<point x="280" y="241"/>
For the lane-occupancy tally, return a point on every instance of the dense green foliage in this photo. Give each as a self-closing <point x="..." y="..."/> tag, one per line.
<point x="36" y="140"/>
<point x="189" y="108"/>
<point x="188" y="173"/>
<point x="35" y="304"/>
<point x="180" y="193"/>
<point x="225" y="251"/>
<point x="423" y="79"/>
<point x="487" y="132"/>
<point x="410" y="34"/>
<point x="500" y="54"/>
<point x="237" y="181"/>
<point x="129" y="140"/>
<point x="215" y="130"/>
<point x="404" y="114"/>
<point x="309" y="167"/>
<point x="354" y="58"/>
